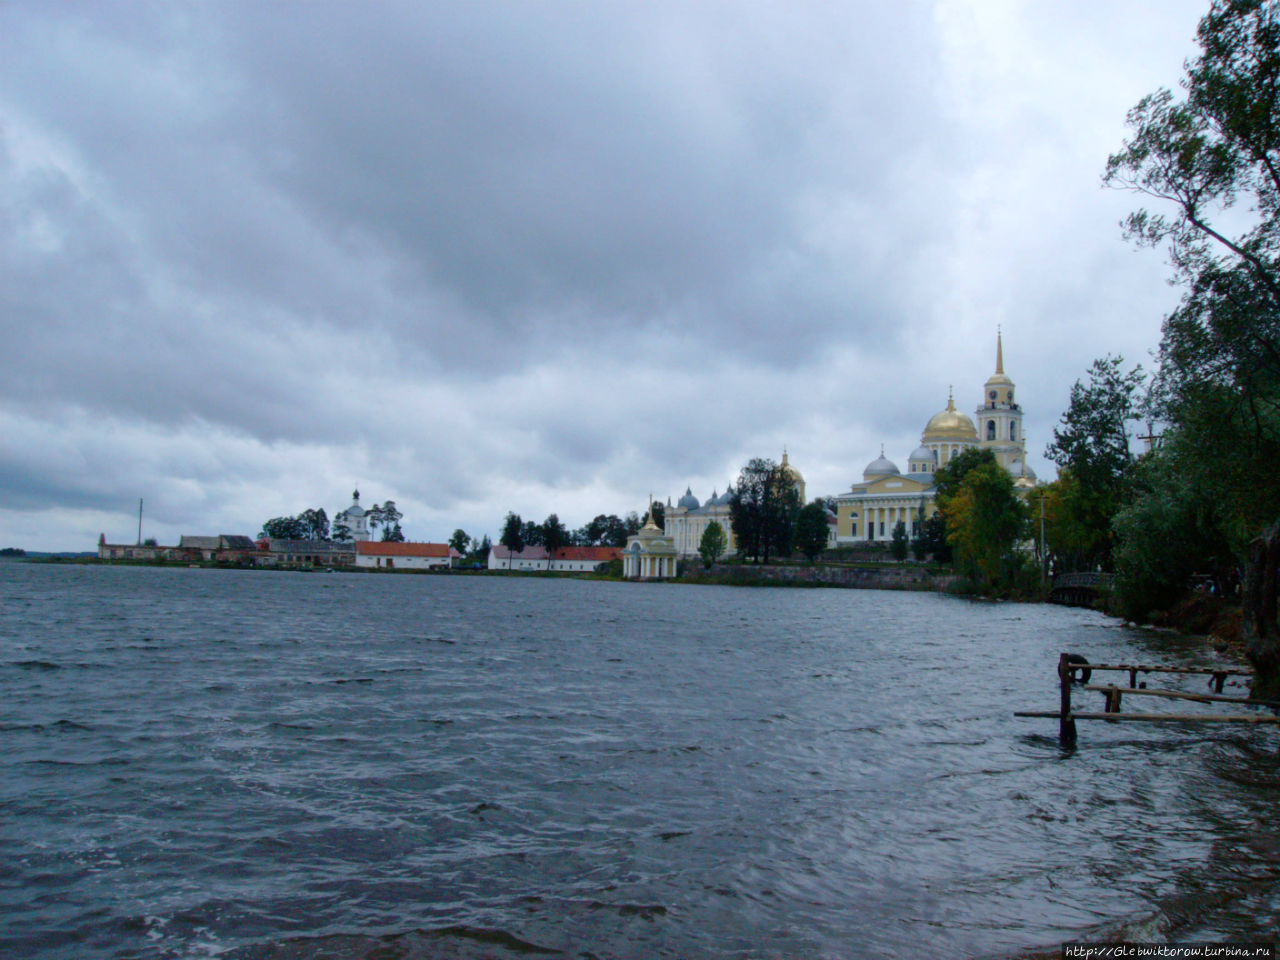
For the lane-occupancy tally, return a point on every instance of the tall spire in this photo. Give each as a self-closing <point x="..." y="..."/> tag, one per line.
<point x="999" y="351"/>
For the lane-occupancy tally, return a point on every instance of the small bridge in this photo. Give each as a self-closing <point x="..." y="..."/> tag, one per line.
<point x="1079" y="589"/>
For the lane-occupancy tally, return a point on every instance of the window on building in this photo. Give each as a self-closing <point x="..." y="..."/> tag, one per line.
<point x="991" y="429"/>
<point x="1013" y="431"/>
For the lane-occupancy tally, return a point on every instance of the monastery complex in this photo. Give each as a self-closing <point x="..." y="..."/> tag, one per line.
<point x="870" y="509"/>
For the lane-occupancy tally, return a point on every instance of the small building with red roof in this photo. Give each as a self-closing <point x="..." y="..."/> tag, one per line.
<point x="385" y="555"/>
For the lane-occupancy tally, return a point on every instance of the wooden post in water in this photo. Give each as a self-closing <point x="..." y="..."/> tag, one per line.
<point x="1066" y="725"/>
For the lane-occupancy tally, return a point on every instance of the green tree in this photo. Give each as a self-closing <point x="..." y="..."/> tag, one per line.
<point x="985" y="522"/>
<point x="900" y="542"/>
<point x="919" y="546"/>
<point x="658" y="511"/>
<point x="554" y="536"/>
<point x="812" y="530"/>
<point x="284" y="528"/>
<point x="315" y="524"/>
<point x="390" y="518"/>
<point x="1219" y="147"/>
<point x="631" y="524"/>
<point x="341" y="533"/>
<point x="605" y="530"/>
<point x="1169" y="531"/>
<point x="1079" y="523"/>
<point x="713" y="544"/>
<point x="762" y="509"/>
<point x="512" y="535"/>
<point x="459" y="540"/>
<point x="933" y="538"/>
<point x="947" y="483"/>
<point x="1091" y="446"/>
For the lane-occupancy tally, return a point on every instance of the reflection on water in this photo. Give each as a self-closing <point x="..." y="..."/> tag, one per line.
<point x="287" y="765"/>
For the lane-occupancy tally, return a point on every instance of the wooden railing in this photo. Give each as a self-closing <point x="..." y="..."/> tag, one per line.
<point x="1074" y="669"/>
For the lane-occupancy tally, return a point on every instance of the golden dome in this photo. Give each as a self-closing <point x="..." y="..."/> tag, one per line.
<point x="950" y="424"/>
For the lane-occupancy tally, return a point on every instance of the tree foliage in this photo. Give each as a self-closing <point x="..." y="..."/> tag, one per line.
<point x="713" y="544"/>
<point x="512" y="535"/>
<point x="899" y="541"/>
<point x="762" y="510"/>
<point x="605" y="530"/>
<point x="985" y="521"/>
<point x="459" y="540"/>
<point x="1218" y="147"/>
<point x="919" y="545"/>
<point x="554" y="536"/>
<point x="311" y="524"/>
<point x="390" y="519"/>
<point x="1091" y="446"/>
<point x="812" y="531"/>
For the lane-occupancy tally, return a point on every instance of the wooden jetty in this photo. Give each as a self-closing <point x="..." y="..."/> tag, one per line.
<point x="1069" y="665"/>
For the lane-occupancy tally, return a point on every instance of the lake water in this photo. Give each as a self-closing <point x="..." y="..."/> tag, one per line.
<point x="277" y="766"/>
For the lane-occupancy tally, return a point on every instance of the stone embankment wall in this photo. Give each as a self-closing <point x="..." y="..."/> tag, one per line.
<point x="888" y="578"/>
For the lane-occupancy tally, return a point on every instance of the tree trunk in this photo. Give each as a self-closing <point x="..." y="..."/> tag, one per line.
<point x="1261" y="630"/>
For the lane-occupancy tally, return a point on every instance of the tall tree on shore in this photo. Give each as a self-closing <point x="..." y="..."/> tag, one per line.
<point x="713" y="544"/>
<point x="391" y="518"/>
<point x="315" y="523"/>
<point x="283" y="528"/>
<point x="1219" y="147"/>
<point x="985" y="522"/>
<point x="762" y="509"/>
<point x="812" y="530"/>
<point x="554" y="536"/>
<point x="1091" y="446"/>
<point x="459" y="540"/>
<point x="512" y="535"/>
<point x="899" y="542"/>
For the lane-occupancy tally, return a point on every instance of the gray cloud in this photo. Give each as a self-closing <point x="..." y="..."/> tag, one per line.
<point x="540" y="257"/>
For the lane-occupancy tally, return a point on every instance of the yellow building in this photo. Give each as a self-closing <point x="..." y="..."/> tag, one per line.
<point x="649" y="554"/>
<point x="873" y="507"/>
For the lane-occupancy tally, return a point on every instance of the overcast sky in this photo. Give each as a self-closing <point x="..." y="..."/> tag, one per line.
<point x="542" y="256"/>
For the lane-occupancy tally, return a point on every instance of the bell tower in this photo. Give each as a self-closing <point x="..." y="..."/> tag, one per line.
<point x="1000" y="417"/>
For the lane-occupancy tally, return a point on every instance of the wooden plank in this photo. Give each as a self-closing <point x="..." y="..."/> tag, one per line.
<point x="1181" y="695"/>
<point x="1141" y="668"/>
<point x="1175" y="717"/>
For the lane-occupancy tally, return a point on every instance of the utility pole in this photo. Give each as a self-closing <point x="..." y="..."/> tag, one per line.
<point x="1044" y="554"/>
<point x="139" y="521"/>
